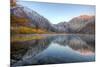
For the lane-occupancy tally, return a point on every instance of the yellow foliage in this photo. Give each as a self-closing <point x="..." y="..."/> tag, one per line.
<point x="22" y="28"/>
<point x="27" y="30"/>
<point x="12" y="4"/>
<point x="16" y="20"/>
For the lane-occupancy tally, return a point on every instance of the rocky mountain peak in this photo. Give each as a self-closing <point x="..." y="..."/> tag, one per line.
<point x="85" y="17"/>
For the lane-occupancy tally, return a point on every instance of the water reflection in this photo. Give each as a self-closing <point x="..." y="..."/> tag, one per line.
<point x="53" y="49"/>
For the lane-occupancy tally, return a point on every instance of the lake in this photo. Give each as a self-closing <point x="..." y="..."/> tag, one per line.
<point x="52" y="49"/>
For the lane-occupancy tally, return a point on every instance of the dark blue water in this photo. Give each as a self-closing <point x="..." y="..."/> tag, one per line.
<point x="53" y="50"/>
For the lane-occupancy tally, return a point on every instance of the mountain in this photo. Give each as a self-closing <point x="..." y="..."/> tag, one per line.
<point x="24" y="20"/>
<point x="78" y="25"/>
<point x="88" y="29"/>
<point x="62" y="27"/>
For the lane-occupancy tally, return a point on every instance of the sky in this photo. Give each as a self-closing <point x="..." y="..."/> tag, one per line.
<point x="57" y="13"/>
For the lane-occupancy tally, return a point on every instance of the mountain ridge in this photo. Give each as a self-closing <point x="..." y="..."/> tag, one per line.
<point x="22" y="16"/>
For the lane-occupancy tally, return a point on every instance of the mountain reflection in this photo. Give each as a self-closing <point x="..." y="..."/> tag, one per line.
<point x="37" y="51"/>
<point x="77" y="43"/>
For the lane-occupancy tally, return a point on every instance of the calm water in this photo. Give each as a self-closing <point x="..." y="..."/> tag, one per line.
<point x="53" y="50"/>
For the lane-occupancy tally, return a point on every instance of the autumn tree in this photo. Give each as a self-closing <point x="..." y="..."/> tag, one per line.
<point x="12" y="3"/>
